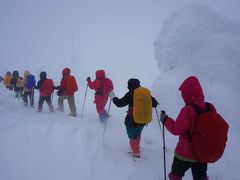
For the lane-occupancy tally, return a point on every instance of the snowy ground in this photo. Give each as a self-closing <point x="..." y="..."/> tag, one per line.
<point x="54" y="146"/>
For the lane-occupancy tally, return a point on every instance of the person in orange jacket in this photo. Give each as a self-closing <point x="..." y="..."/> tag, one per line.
<point x="8" y="81"/>
<point x="68" y="86"/>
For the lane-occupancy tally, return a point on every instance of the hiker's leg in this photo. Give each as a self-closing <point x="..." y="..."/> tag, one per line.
<point x="72" y="106"/>
<point x="199" y="171"/>
<point x="179" y="168"/>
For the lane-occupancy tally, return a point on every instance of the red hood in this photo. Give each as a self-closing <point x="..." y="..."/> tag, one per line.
<point x="66" y="71"/>
<point x="100" y="74"/>
<point x="192" y="91"/>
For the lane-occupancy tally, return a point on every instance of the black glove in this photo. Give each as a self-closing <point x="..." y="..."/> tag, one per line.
<point x="88" y="79"/>
<point x="60" y="92"/>
<point x="163" y="117"/>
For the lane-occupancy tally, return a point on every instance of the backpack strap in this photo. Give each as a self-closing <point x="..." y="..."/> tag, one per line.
<point x="198" y="111"/>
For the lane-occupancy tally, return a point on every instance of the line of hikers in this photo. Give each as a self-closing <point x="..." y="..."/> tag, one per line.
<point x="190" y="153"/>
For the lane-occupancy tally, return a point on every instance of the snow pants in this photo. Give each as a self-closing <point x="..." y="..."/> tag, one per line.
<point x="179" y="167"/>
<point x="30" y="95"/>
<point x="41" y="101"/>
<point x="134" y="135"/>
<point x="100" y="102"/>
<point x="71" y="103"/>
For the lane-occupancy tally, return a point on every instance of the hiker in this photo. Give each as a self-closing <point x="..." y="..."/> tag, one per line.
<point x="14" y="82"/>
<point x="66" y="89"/>
<point x="28" y="91"/>
<point x="46" y="89"/>
<point x="184" y="157"/>
<point x="102" y="86"/>
<point x="133" y="128"/>
<point x="20" y="85"/>
<point x="8" y="81"/>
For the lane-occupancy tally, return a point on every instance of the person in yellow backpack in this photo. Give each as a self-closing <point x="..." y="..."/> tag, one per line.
<point x="134" y="129"/>
<point x="8" y="81"/>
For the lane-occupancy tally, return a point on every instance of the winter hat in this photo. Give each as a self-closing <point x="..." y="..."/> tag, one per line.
<point x="8" y="73"/>
<point x="133" y="84"/>
<point x="26" y="73"/>
<point x="15" y="74"/>
<point x="100" y="74"/>
<point x="43" y="75"/>
<point x="66" y="71"/>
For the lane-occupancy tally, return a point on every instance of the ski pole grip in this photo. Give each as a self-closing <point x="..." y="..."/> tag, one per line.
<point x="163" y="112"/>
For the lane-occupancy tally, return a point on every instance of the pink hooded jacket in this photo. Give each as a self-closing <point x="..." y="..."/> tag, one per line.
<point x="100" y="100"/>
<point x="191" y="93"/>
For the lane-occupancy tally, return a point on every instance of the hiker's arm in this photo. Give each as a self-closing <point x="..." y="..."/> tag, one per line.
<point x="154" y="102"/>
<point x="94" y="84"/>
<point x="124" y="101"/>
<point x="181" y="124"/>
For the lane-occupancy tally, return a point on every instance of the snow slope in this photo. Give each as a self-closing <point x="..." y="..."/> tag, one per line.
<point x="54" y="146"/>
<point x="45" y="146"/>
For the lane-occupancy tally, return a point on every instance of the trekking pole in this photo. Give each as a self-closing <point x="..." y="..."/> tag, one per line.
<point x="105" y="124"/>
<point x="164" y="149"/>
<point x="84" y="101"/>
<point x="159" y="123"/>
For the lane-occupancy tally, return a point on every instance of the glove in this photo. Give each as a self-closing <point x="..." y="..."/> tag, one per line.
<point x="88" y="79"/>
<point x="163" y="117"/>
<point x="111" y="95"/>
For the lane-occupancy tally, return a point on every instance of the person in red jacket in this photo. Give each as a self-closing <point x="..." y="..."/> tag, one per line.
<point x="45" y="87"/>
<point x="68" y="86"/>
<point x="102" y="86"/>
<point x="184" y="158"/>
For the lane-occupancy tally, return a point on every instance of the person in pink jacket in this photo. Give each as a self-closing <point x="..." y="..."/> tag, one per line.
<point x="184" y="158"/>
<point x="102" y="86"/>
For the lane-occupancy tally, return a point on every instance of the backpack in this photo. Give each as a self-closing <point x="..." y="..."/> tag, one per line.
<point x="47" y="87"/>
<point x="106" y="87"/>
<point x="71" y="85"/>
<point x="209" y="134"/>
<point x="30" y="82"/>
<point x="142" y="105"/>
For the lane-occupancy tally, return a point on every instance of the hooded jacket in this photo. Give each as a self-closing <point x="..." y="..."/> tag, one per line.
<point x="127" y="99"/>
<point x="192" y="94"/>
<point x="68" y="83"/>
<point x="96" y="84"/>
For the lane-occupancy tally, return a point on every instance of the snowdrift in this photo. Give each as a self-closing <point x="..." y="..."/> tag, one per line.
<point x="197" y="41"/>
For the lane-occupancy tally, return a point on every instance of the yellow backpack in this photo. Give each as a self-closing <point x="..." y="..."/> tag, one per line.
<point x="142" y="105"/>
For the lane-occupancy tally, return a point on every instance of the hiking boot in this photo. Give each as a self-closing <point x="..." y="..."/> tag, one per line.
<point x="73" y="115"/>
<point x="137" y="156"/>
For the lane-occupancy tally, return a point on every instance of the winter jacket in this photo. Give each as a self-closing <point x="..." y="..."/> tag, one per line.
<point x="192" y="94"/>
<point x="68" y="83"/>
<point x="8" y="80"/>
<point x="127" y="99"/>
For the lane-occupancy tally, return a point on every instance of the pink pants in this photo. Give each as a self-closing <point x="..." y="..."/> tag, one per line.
<point x="134" y="143"/>
<point x="101" y="102"/>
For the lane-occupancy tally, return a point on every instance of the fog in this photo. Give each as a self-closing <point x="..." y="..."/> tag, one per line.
<point x="117" y="36"/>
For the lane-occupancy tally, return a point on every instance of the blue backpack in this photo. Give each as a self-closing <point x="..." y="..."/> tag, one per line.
<point x="30" y="82"/>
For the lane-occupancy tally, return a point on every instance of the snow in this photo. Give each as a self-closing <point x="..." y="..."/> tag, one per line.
<point x="197" y="41"/>
<point x="193" y="40"/>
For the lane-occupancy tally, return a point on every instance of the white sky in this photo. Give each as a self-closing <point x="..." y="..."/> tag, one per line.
<point x="88" y="35"/>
